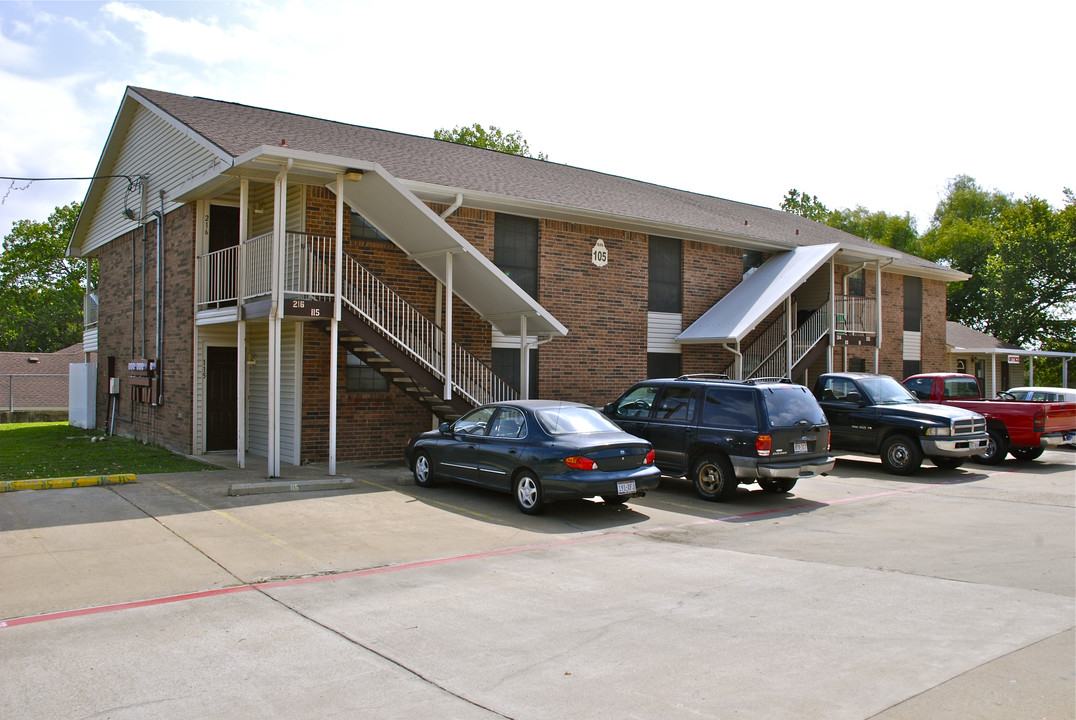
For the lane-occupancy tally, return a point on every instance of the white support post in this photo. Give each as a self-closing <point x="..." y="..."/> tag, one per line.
<point x="276" y="312"/>
<point x="241" y="396"/>
<point x="241" y="328"/>
<point x="832" y="314"/>
<point x="790" y="330"/>
<point x="994" y="375"/>
<point x="334" y="344"/>
<point x="524" y="365"/>
<point x="448" y="326"/>
<point x="878" y="315"/>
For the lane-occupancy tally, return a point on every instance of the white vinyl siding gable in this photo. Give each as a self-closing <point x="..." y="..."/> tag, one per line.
<point x="151" y="146"/>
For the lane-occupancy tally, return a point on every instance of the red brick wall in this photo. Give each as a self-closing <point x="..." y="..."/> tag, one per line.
<point x="121" y="295"/>
<point x="710" y="272"/>
<point x="934" y="359"/>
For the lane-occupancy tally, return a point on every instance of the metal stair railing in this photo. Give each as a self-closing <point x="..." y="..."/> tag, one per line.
<point x="766" y="356"/>
<point x="417" y="336"/>
<point x="809" y="333"/>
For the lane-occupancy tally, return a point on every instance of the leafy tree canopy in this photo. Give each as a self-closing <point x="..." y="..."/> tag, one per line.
<point x="895" y="231"/>
<point x="804" y="205"/>
<point x="491" y="138"/>
<point x="41" y="290"/>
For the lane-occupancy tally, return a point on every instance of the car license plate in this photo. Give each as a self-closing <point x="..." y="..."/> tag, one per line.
<point x="625" y="487"/>
<point x="800" y="447"/>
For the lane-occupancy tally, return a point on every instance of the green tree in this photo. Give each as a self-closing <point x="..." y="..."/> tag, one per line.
<point x="963" y="236"/>
<point x="1029" y="288"/>
<point x="804" y="205"/>
<point x="492" y="138"/>
<point x="896" y="231"/>
<point x="41" y="290"/>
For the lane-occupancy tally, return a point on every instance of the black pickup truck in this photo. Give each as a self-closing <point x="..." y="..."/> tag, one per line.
<point x="876" y="415"/>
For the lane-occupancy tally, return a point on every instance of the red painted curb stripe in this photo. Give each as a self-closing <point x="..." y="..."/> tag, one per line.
<point x="30" y="620"/>
<point x="434" y="562"/>
<point x="123" y="606"/>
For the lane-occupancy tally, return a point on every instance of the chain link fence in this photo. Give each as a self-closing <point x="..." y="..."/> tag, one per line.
<point x="34" y="392"/>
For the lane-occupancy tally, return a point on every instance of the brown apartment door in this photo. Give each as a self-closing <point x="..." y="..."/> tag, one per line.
<point x="220" y="398"/>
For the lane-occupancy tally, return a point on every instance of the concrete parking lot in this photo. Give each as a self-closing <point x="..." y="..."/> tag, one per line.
<point x="948" y="594"/>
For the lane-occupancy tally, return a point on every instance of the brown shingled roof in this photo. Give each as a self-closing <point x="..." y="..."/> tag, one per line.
<point x="962" y="336"/>
<point x="237" y="129"/>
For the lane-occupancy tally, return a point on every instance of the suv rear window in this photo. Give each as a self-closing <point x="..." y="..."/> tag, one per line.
<point x="730" y="407"/>
<point x="787" y="405"/>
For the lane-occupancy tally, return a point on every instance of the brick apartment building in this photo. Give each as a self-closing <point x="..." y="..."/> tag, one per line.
<point x="298" y="289"/>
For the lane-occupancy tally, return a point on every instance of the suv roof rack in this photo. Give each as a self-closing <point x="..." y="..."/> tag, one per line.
<point x="704" y="376"/>
<point x="769" y="380"/>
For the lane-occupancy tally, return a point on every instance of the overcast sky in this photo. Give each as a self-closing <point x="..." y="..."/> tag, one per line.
<point x="860" y="103"/>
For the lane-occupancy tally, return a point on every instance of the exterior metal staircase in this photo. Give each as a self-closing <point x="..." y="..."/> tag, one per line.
<point x="767" y="356"/>
<point x="393" y="338"/>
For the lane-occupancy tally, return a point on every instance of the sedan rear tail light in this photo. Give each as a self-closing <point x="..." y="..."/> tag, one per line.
<point x="829" y="439"/>
<point x="580" y="463"/>
<point x="763" y="445"/>
<point x="649" y="459"/>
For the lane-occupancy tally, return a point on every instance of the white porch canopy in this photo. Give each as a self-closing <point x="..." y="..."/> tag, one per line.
<point x="746" y="305"/>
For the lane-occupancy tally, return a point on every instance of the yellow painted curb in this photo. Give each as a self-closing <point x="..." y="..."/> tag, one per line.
<point x="68" y="482"/>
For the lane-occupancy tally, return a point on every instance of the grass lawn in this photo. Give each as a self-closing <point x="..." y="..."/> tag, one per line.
<point x="52" y="450"/>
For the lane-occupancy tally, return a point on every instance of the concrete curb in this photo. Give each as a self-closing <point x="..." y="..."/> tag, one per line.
<point x="68" y="482"/>
<point x="281" y="486"/>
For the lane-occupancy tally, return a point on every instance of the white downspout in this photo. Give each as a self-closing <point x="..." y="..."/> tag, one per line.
<point x="334" y="342"/>
<point x="524" y="366"/>
<point x="738" y="362"/>
<point x="453" y="207"/>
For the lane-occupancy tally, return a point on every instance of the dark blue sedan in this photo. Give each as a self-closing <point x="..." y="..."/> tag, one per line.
<point x="538" y="450"/>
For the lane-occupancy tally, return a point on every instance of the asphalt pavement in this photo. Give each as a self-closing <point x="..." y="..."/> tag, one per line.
<point x="947" y="594"/>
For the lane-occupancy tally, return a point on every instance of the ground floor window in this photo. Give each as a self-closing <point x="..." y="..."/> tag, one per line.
<point x="363" y="378"/>
<point x="912" y="367"/>
<point x="506" y="364"/>
<point x="663" y="365"/>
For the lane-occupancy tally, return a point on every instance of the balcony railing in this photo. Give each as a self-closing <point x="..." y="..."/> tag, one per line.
<point x="89" y="310"/>
<point x="308" y="264"/>
<point x="855" y="315"/>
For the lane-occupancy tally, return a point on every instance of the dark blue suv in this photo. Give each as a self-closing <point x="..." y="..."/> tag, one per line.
<point x="720" y="432"/>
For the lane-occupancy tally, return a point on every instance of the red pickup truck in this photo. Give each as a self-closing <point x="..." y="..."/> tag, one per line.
<point x="1022" y="429"/>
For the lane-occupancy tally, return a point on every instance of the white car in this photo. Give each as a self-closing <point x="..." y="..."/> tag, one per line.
<point x="1042" y="394"/>
<point x="1039" y="393"/>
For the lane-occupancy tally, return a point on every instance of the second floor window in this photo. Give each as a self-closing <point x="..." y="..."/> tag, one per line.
<point x="857" y="283"/>
<point x="913" y="304"/>
<point x="515" y="250"/>
<point x="665" y="280"/>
